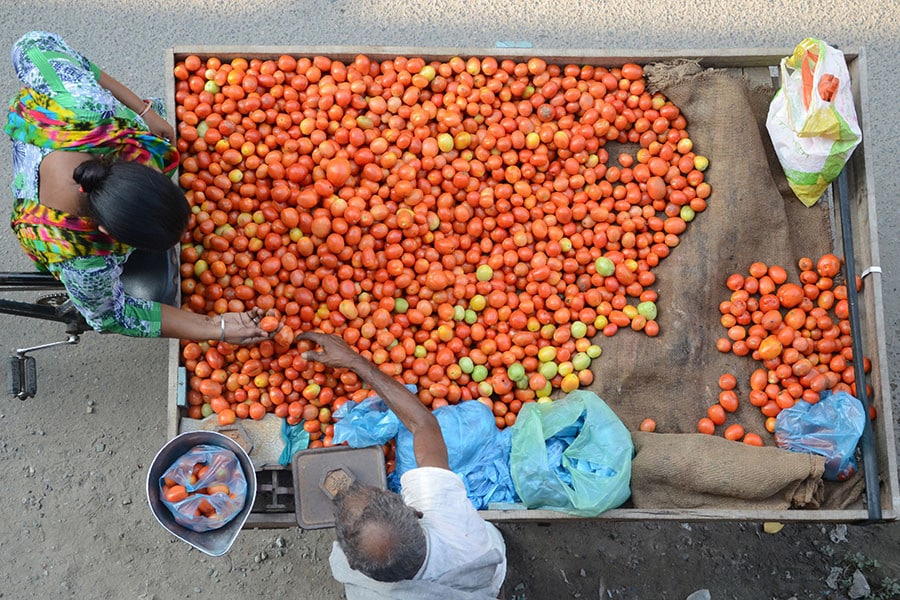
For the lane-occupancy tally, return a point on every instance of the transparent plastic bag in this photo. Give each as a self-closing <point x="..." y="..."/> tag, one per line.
<point x="812" y="119"/>
<point x="215" y="488"/>
<point x="572" y="455"/>
<point x="831" y="427"/>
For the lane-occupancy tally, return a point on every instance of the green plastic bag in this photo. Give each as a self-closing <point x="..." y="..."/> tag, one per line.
<point x="812" y="119"/>
<point x="572" y="455"/>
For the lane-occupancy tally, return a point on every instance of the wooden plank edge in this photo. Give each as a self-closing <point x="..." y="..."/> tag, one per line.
<point x="885" y="420"/>
<point x="732" y="515"/>
<point x="709" y="57"/>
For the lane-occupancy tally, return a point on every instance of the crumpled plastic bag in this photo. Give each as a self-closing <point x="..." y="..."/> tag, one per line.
<point x="571" y="455"/>
<point x="478" y="452"/>
<point x="204" y="508"/>
<point x="831" y="427"/>
<point x="812" y="119"/>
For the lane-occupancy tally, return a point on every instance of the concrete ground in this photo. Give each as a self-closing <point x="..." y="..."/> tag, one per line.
<point x="101" y="405"/>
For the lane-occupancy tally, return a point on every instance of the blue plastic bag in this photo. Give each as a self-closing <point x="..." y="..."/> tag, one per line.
<point x="572" y="455"/>
<point x="478" y="452"/>
<point x="830" y="427"/>
<point x="366" y="423"/>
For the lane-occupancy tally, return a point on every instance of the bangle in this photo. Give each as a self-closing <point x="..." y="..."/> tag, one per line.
<point x="147" y="106"/>
<point x="222" y="331"/>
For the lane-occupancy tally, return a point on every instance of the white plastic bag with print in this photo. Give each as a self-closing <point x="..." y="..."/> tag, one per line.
<point x="812" y="120"/>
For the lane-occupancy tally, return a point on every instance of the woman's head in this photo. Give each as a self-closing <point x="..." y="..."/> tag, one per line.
<point x="133" y="203"/>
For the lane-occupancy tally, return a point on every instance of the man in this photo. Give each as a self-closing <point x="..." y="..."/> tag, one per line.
<point x="429" y="543"/>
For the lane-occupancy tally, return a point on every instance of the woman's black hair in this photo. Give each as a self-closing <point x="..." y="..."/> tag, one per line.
<point x="135" y="204"/>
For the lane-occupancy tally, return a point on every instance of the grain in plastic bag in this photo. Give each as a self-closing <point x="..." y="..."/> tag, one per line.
<point x="571" y="455"/>
<point x="215" y="488"/>
<point x="812" y="119"/>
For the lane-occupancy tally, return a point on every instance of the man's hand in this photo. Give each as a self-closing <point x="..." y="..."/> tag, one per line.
<point x="428" y="443"/>
<point x="335" y="352"/>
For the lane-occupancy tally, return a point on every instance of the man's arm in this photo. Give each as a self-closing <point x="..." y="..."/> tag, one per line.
<point x="428" y="443"/>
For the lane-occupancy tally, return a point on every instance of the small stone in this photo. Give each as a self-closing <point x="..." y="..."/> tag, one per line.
<point x="279" y="542"/>
<point x="700" y="595"/>
<point x="839" y="533"/>
<point x="860" y="587"/>
<point x="89" y="410"/>
<point x="126" y="501"/>
<point x="99" y="447"/>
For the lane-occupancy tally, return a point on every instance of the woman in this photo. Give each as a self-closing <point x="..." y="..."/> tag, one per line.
<point x="90" y="163"/>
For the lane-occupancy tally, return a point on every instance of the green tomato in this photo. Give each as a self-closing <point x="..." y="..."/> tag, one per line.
<point x="459" y="313"/>
<point x="479" y="373"/>
<point x="581" y="361"/>
<point x="401" y="305"/>
<point x="579" y="329"/>
<point x="515" y="371"/>
<point x="470" y="316"/>
<point x="466" y="364"/>
<point x="594" y="351"/>
<point x="548" y="369"/>
<point x="604" y="266"/>
<point x="206" y="409"/>
<point x="701" y="163"/>
<point x="484" y="273"/>
<point x="419" y="351"/>
<point x="545" y="391"/>
<point x="485" y="389"/>
<point x="647" y="310"/>
<point x="546" y="354"/>
<point x="687" y="214"/>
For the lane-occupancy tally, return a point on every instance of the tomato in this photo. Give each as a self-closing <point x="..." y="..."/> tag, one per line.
<point x="426" y="213"/>
<point x="176" y="493"/>
<point x="828" y="265"/>
<point x="647" y="425"/>
<point x="734" y="432"/>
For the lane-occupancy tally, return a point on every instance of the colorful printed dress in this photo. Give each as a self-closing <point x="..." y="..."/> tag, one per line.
<point x="63" y="107"/>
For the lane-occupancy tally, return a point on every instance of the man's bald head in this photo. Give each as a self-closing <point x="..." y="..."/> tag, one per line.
<point x="379" y="534"/>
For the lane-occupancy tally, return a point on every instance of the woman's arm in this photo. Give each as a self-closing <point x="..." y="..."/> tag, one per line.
<point x="158" y="126"/>
<point x="94" y="286"/>
<point x="239" y="328"/>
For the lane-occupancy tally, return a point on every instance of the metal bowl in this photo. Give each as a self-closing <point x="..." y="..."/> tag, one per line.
<point x="215" y="542"/>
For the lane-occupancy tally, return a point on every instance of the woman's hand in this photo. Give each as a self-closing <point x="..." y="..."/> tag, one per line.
<point x="159" y="126"/>
<point x="243" y="328"/>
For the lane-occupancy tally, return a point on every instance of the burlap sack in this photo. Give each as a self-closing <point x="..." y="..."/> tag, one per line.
<point x="673" y="378"/>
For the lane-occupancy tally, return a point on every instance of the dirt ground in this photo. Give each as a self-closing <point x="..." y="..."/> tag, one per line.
<point x="74" y="522"/>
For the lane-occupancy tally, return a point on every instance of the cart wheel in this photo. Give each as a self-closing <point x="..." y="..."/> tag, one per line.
<point x="54" y="300"/>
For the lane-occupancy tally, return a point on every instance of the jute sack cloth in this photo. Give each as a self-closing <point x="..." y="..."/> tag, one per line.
<point x="673" y="378"/>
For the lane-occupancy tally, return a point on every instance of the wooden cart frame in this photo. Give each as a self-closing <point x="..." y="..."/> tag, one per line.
<point x="759" y="66"/>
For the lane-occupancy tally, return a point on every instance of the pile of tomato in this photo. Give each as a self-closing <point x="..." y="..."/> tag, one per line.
<point x="798" y="330"/>
<point x="459" y="223"/>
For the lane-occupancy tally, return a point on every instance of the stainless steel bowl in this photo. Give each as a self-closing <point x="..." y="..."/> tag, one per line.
<point x="215" y="542"/>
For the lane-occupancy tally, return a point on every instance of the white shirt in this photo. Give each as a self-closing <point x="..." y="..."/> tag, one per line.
<point x="454" y="530"/>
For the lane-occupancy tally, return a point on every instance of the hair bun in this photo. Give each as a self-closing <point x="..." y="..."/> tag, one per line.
<point x="91" y="174"/>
